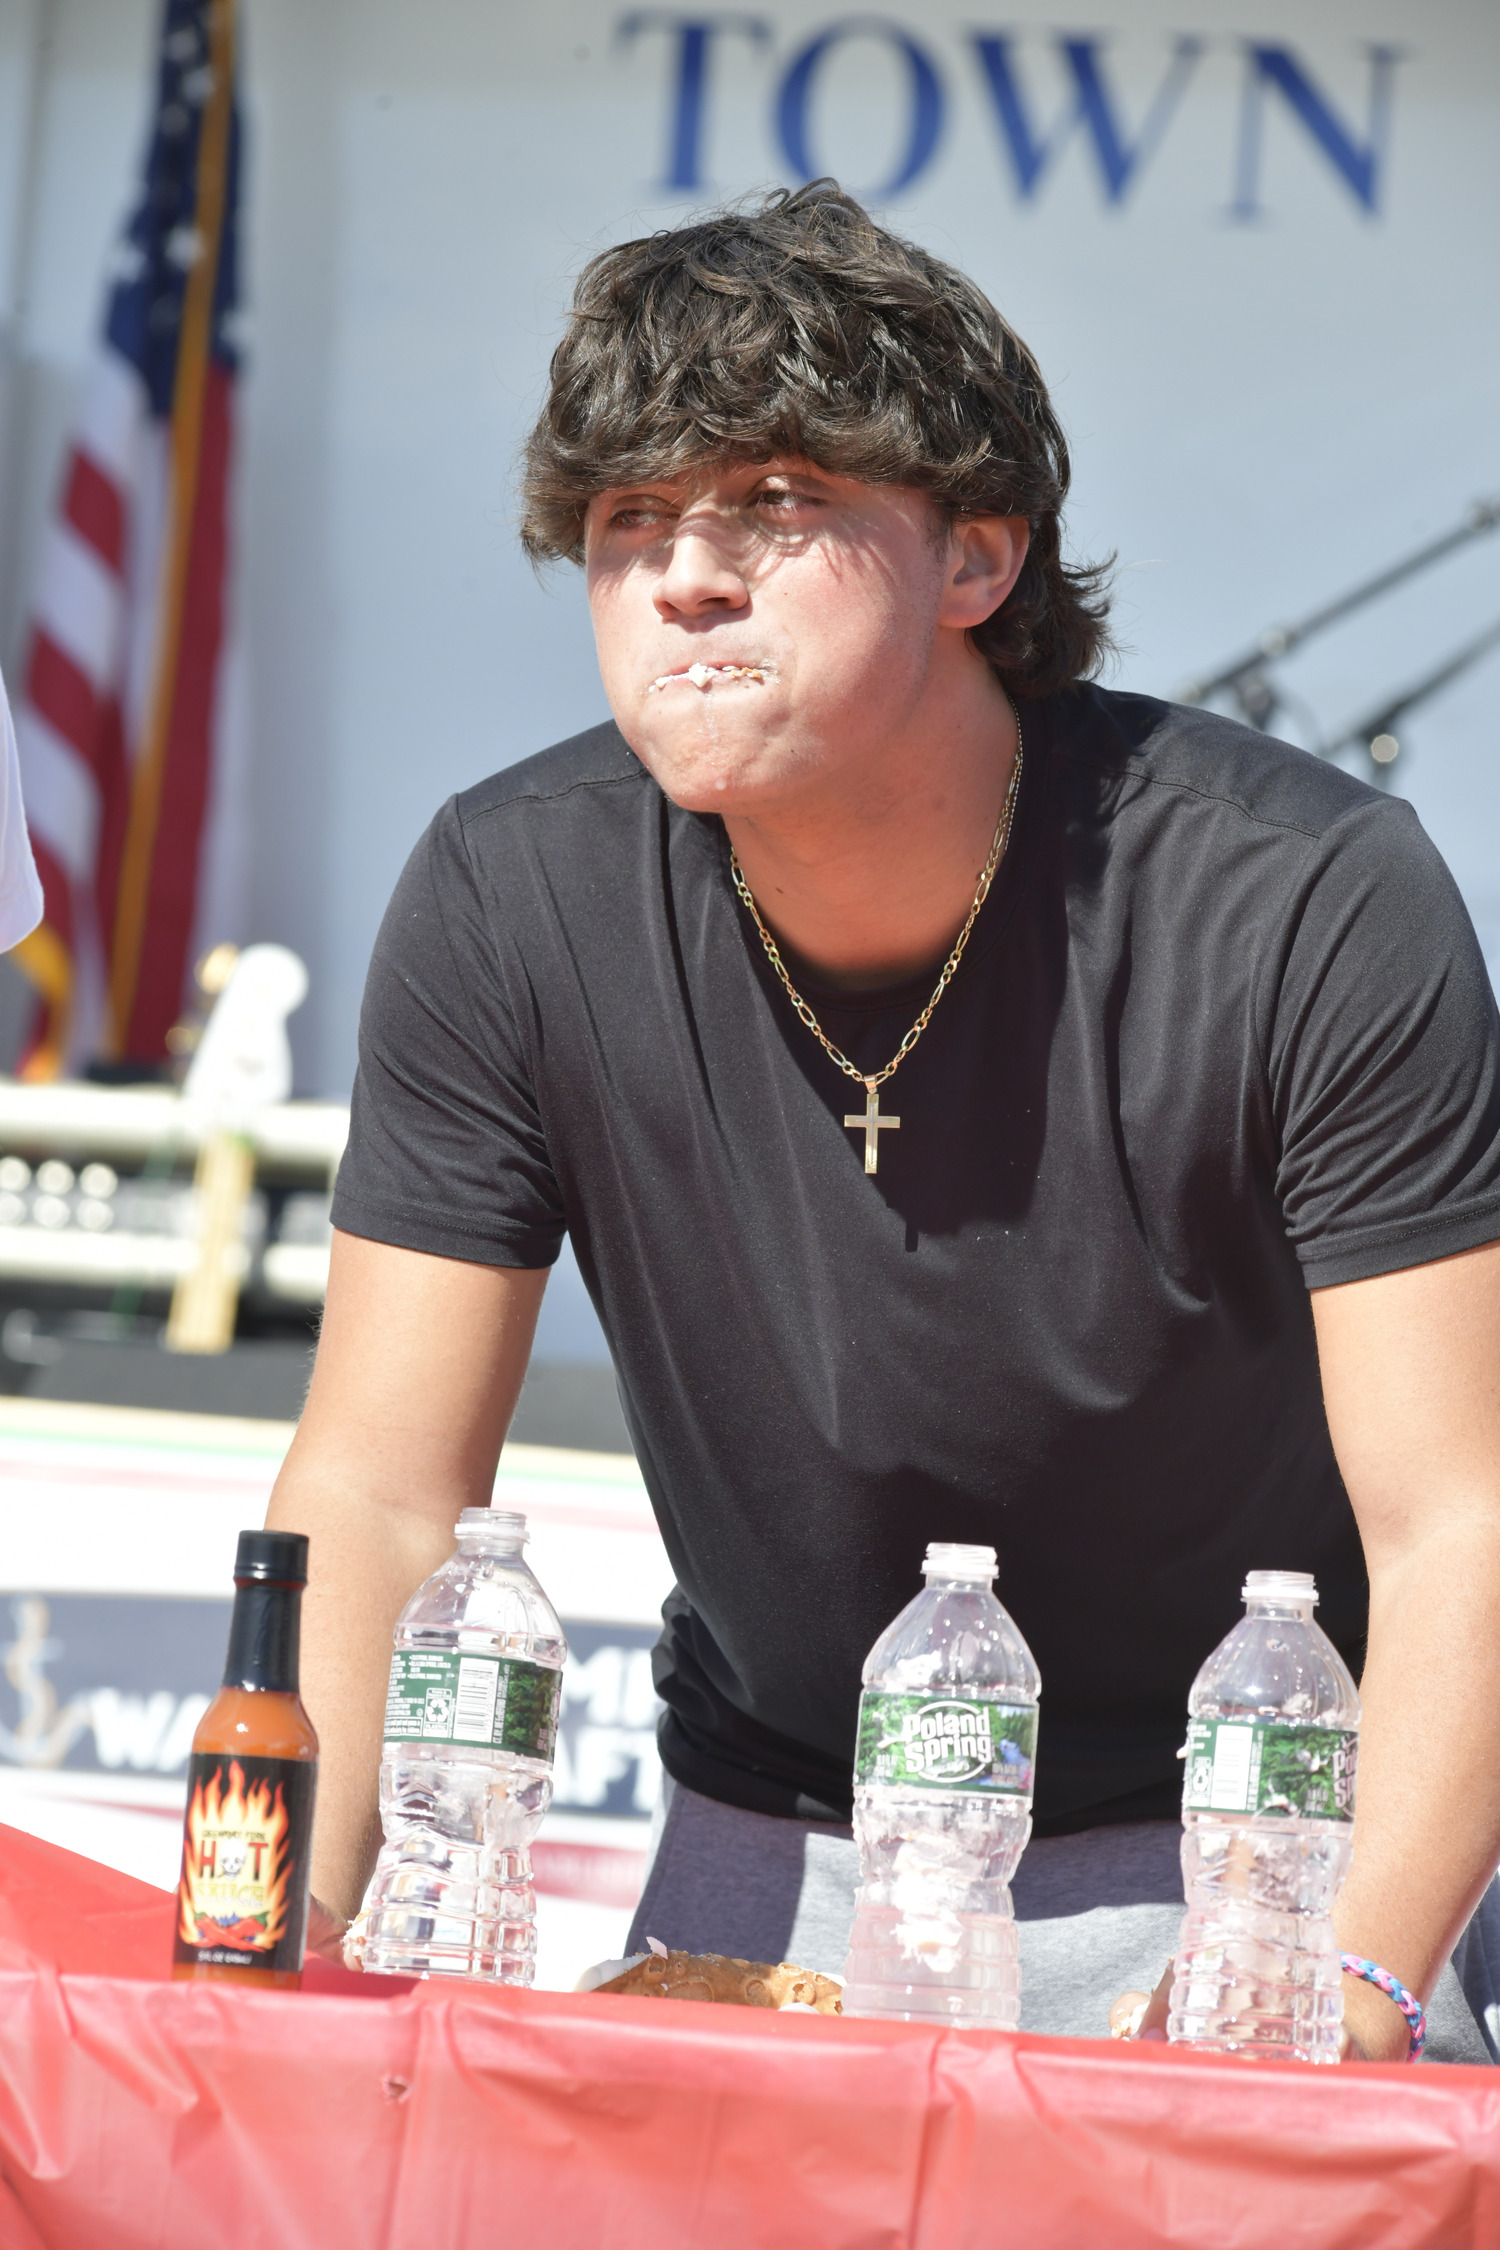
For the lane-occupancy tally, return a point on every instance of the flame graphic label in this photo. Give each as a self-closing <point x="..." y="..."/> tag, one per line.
<point x="242" y="1895"/>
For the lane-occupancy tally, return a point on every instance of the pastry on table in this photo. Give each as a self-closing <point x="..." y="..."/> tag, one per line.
<point x="664" y="1975"/>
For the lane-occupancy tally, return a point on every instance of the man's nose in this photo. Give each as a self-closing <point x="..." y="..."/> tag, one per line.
<point x="702" y="573"/>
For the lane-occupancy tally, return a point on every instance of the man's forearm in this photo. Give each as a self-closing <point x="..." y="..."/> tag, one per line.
<point x="367" y="1558"/>
<point x="419" y="1367"/>
<point x="1411" y="1384"/>
<point x="1427" y="1837"/>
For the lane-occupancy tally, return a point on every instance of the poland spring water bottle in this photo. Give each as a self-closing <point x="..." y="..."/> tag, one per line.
<point x="942" y="1803"/>
<point x="470" y="1729"/>
<point x="1267" y="1816"/>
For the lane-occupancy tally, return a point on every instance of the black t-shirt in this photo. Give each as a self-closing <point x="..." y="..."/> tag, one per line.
<point x="1222" y="1033"/>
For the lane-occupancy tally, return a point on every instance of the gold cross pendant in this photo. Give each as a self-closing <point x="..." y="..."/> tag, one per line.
<point x="870" y="1122"/>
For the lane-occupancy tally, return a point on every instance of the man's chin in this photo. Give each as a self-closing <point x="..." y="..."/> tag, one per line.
<point x="724" y="800"/>
<point x="723" y="784"/>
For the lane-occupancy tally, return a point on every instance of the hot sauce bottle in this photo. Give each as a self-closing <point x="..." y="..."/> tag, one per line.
<point x="242" y="1893"/>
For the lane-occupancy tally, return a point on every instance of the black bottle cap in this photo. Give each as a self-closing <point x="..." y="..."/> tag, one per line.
<point x="276" y="1555"/>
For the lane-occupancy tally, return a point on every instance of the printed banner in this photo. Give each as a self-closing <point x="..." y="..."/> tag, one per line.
<point x="115" y="1684"/>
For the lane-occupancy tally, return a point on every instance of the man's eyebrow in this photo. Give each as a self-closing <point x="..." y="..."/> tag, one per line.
<point x="677" y="493"/>
<point x="614" y="493"/>
<point x="809" y="478"/>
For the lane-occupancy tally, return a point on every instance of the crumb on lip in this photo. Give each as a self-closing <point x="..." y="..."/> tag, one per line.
<point x="703" y="676"/>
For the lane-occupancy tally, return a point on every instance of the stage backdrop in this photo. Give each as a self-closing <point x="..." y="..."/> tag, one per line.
<point x="1251" y="242"/>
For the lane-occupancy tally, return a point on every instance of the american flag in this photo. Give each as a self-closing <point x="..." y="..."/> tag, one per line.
<point x="126" y="710"/>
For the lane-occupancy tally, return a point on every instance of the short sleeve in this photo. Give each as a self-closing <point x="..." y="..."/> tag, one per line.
<point x="1383" y="1054"/>
<point x="446" y="1150"/>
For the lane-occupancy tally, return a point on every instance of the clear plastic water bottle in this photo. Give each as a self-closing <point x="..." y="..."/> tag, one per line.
<point x="942" y="1803"/>
<point x="1268" y="1821"/>
<point x="470" y="1731"/>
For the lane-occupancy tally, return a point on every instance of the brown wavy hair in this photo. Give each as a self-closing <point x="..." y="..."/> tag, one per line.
<point x="798" y="328"/>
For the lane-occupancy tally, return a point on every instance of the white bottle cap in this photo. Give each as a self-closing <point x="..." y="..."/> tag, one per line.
<point x="1279" y="1586"/>
<point x="493" y="1523"/>
<point x="945" y="1560"/>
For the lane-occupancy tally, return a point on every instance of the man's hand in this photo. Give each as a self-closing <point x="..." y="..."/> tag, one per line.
<point x="1374" y="2028"/>
<point x="1367" y="2036"/>
<point x="1141" y="2015"/>
<point x="326" y="1932"/>
<point x="1411" y="1382"/>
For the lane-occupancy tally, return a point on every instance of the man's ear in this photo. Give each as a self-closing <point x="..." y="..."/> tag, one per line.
<point x="985" y="554"/>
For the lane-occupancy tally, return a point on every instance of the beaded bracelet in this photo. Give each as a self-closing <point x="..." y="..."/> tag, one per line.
<point x="1411" y="2007"/>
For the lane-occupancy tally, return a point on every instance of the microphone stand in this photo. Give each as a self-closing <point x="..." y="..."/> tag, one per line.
<point x="1250" y="684"/>
<point x="1376" y="733"/>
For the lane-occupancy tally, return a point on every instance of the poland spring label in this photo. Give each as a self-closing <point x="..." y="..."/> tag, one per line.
<point x="501" y="1702"/>
<point x="946" y="1742"/>
<point x="1260" y="1766"/>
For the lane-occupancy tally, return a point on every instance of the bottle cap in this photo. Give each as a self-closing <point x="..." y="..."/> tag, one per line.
<point x="1279" y="1586"/>
<point x="946" y="1560"/>
<point x="278" y="1555"/>
<point x="502" y="1524"/>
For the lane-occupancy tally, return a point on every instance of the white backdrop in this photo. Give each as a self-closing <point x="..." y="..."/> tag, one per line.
<point x="1258" y="270"/>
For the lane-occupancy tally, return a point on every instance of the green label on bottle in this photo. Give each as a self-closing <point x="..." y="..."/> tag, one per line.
<point x="500" y="1702"/>
<point x="946" y="1742"/>
<point x="1263" y="1766"/>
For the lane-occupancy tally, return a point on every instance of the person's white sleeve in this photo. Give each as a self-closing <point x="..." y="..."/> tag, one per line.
<point x="20" y="891"/>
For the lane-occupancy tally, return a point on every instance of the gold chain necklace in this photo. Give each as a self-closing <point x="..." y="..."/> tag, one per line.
<point x="869" y="1121"/>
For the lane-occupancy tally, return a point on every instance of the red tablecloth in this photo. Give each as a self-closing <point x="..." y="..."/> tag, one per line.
<point x="140" y="2115"/>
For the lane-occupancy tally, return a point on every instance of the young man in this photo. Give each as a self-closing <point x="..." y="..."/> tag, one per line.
<point x="1160" y="1242"/>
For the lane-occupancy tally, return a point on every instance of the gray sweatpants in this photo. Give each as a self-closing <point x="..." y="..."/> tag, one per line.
<point x="1098" y="1914"/>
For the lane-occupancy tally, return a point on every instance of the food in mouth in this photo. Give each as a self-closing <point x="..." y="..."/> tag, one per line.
<point x="719" y="1977"/>
<point x="705" y="676"/>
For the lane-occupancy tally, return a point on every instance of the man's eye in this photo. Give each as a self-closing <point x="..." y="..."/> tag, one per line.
<point x="633" y="517"/>
<point x="783" y="500"/>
